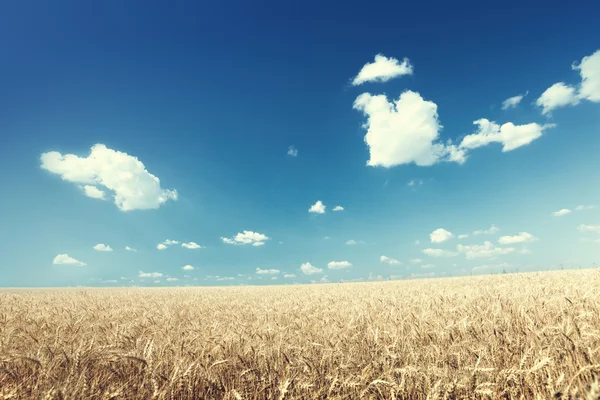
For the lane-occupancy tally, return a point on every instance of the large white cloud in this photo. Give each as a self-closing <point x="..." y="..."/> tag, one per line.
<point x="404" y="131"/>
<point x="309" y="269"/>
<point x="439" y="253"/>
<point x="187" y="268"/>
<point x="339" y="265"/>
<point x="513" y="102"/>
<point x="247" y="237"/>
<point x="589" y="69"/>
<point x="561" y="94"/>
<point x="133" y="187"/>
<point x="382" y="70"/>
<point x="267" y="271"/>
<point x="557" y="95"/>
<point x="487" y="250"/>
<point x="440" y="235"/>
<point x="511" y="136"/>
<point x="102" y="247"/>
<point x="317" y="208"/>
<point x="65" y="259"/>
<point x="522" y="237"/>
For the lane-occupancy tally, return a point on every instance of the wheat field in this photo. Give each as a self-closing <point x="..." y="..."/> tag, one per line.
<point x="513" y="336"/>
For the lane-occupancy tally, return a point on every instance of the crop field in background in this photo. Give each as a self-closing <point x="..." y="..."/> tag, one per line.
<point x="513" y="336"/>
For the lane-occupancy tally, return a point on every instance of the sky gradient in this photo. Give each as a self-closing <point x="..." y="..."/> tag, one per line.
<point x="453" y="138"/>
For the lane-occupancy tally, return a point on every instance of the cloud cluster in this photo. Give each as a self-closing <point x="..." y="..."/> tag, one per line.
<point x="267" y="271"/>
<point x="439" y="253"/>
<point x="247" y="237"/>
<point x="132" y="186"/>
<point x="487" y="250"/>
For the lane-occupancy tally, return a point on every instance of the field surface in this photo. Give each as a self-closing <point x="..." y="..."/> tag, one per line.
<point x="514" y="336"/>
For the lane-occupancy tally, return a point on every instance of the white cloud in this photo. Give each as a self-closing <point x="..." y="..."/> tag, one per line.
<point x="339" y="265"/>
<point x="247" y="237"/>
<point x="187" y="268"/>
<point x="257" y="244"/>
<point x="589" y="69"/>
<point x="582" y="207"/>
<point x="405" y="131"/>
<point x="274" y="278"/>
<point x="490" y="231"/>
<point x="561" y="212"/>
<point x="289" y="276"/>
<point x="511" y="136"/>
<point x="93" y="192"/>
<point x="102" y="247"/>
<point x="226" y="278"/>
<point x="522" y="237"/>
<point x="191" y="245"/>
<point x="382" y="70"/>
<point x="557" y="95"/>
<point x="133" y="187"/>
<point x="428" y="266"/>
<point x="172" y="279"/>
<point x="292" y="151"/>
<point x="463" y="236"/>
<point x="309" y="269"/>
<point x="166" y="243"/>
<point x="65" y="259"/>
<point x="440" y="235"/>
<point x="439" y="253"/>
<point x="318" y="208"/>
<point x="338" y="208"/>
<point x="513" y="102"/>
<point x="351" y="242"/>
<point x="130" y="249"/>
<point x="589" y="228"/>
<point x="487" y="250"/>
<point x="267" y="271"/>
<point x="416" y="261"/>
<point x="143" y="274"/>
<point x="388" y="260"/>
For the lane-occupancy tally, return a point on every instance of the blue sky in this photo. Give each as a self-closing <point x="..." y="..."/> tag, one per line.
<point x="209" y="98"/>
